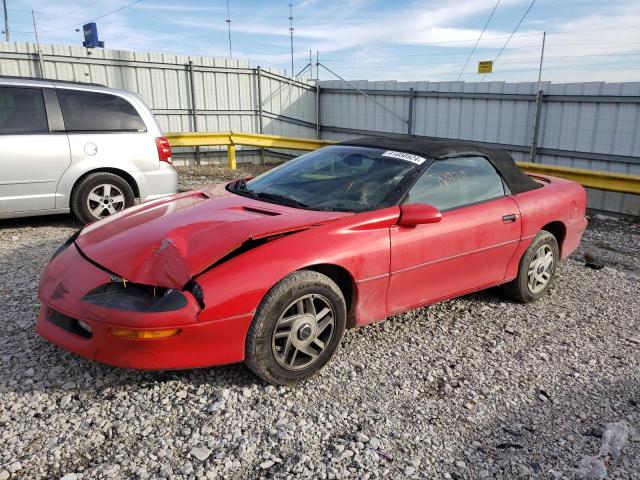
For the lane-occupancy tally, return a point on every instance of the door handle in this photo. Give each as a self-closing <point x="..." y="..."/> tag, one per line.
<point x="512" y="217"/>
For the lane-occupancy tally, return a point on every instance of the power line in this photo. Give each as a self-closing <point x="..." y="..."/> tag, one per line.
<point x="446" y="44"/>
<point x="512" y="33"/>
<point x="166" y="32"/>
<point x="516" y="61"/>
<point x="71" y="12"/>
<point x="478" y="41"/>
<point x="130" y="4"/>
<point x="633" y="67"/>
<point x="438" y="54"/>
<point x="180" y="34"/>
<point x="437" y="43"/>
<point x="504" y="62"/>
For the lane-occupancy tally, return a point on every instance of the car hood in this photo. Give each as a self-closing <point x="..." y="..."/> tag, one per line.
<point x="167" y="242"/>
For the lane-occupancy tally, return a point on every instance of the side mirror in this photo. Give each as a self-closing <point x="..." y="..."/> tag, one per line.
<point x="417" y="214"/>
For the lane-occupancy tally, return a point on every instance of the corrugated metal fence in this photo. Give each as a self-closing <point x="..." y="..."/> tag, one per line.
<point x="224" y="96"/>
<point x="584" y="125"/>
<point x="592" y="125"/>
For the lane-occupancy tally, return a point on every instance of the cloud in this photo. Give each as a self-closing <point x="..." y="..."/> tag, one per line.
<point x="178" y="7"/>
<point x="405" y="39"/>
<point x="575" y="52"/>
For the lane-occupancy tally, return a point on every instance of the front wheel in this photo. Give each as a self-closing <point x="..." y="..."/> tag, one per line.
<point x="537" y="269"/>
<point x="296" y="329"/>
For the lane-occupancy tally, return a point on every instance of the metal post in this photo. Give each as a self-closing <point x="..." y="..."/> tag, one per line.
<point x="310" y="65"/>
<point x="6" y="21"/>
<point x="318" y="127"/>
<point x="231" y="156"/>
<point x="291" y="33"/>
<point x="38" y="53"/>
<point x="194" y="108"/>
<point x="539" y="97"/>
<point x="544" y="38"/>
<point x="318" y="132"/>
<point x="229" y="28"/>
<point x="412" y="96"/>
<point x="536" y="127"/>
<point x="260" y="118"/>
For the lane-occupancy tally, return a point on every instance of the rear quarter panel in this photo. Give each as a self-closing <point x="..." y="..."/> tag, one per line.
<point x="559" y="200"/>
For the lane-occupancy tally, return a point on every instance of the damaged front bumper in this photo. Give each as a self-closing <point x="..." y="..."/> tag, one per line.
<point x="93" y="330"/>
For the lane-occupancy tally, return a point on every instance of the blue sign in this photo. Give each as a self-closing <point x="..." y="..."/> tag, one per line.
<point x="90" y="31"/>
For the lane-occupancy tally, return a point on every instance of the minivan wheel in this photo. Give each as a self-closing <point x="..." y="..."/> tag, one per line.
<point x="100" y="195"/>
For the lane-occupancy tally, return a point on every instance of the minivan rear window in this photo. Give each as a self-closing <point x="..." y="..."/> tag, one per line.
<point x="95" y="112"/>
<point x="22" y="111"/>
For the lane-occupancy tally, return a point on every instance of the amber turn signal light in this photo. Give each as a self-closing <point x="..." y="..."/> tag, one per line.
<point x="123" y="332"/>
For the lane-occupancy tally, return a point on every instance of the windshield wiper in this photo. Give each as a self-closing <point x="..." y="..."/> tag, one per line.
<point x="240" y="187"/>
<point x="276" y="198"/>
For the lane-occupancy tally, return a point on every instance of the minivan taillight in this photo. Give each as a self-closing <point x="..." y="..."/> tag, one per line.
<point x="164" y="149"/>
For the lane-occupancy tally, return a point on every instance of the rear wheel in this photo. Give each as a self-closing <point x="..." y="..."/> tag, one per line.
<point x="100" y="195"/>
<point x="537" y="269"/>
<point x="296" y="329"/>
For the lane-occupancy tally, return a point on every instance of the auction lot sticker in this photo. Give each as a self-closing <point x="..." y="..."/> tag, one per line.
<point x="409" y="157"/>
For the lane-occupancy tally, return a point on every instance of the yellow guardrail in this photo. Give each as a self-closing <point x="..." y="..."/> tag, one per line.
<point x="231" y="139"/>
<point x="610" y="181"/>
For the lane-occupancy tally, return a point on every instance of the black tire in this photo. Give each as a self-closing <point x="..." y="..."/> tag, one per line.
<point x="265" y="356"/>
<point x="519" y="289"/>
<point x="80" y="203"/>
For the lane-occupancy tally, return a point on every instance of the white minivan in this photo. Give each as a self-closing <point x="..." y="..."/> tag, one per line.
<point x="76" y="147"/>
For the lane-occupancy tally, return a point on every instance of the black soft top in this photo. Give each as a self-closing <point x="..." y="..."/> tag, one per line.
<point x="516" y="179"/>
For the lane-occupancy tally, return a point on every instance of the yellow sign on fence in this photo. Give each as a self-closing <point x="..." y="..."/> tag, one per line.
<point x="485" y="66"/>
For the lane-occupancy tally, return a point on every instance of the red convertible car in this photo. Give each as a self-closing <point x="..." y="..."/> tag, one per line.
<point x="270" y="271"/>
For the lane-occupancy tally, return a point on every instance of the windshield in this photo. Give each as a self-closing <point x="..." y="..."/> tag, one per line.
<point x="342" y="178"/>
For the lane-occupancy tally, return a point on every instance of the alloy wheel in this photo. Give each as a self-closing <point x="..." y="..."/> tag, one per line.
<point x="540" y="269"/>
<point x="104" y="200"/>
<point x="303" y="332"/>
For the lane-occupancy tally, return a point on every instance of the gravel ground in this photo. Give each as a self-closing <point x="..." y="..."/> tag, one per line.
<point x="476" y="387"/>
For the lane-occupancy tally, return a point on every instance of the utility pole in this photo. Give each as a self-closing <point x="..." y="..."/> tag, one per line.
<point x="229" y="28"/>
<point x="6" y="21"/>
<point x="38" y="52"/>
<point x="536" y="122"/>
<point x="318" y="126"/>
<point x="544" y="38"/>
<point x="291" y="33"/>
<point x="35" y="28"/>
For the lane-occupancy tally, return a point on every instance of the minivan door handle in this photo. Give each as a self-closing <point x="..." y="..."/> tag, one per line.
<point x="512" y="217"/>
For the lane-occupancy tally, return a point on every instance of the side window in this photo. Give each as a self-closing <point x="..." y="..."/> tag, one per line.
<point x="457" y="181"/>
<point x="94" y="112"/>
<point x="22" y="111"/>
